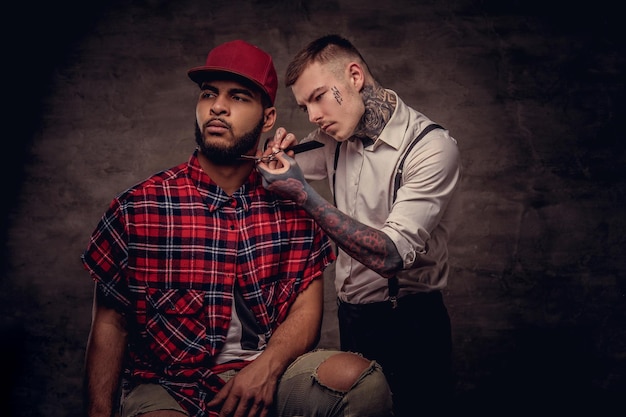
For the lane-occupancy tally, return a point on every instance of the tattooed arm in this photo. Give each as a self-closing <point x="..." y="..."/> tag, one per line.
<point x="367" y="245"/>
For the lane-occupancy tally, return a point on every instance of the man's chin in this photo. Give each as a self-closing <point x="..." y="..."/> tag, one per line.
<point x="223" y="151"/>
<point x="338" y="136"/>
<point x="222" y="159"/>
<point x="220" y="154"/>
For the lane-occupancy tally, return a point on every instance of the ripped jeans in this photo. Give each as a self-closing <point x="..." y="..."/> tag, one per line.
<point x="301" y="394"/>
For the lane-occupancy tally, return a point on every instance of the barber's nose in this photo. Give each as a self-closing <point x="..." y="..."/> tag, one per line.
<point x="315" y="116"/>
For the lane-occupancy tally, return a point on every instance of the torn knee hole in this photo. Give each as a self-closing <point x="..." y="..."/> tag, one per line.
<point x="342" y="370"/>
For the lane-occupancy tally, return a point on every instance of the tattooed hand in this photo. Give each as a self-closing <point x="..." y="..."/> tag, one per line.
<point x="282" y="139"/>
<point x="285" y="178"/>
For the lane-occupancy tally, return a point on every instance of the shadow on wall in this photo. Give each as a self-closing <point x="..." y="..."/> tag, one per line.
<point x="40" y="37"/>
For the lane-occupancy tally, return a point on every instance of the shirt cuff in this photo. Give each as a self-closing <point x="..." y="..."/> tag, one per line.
<point x="407" y="252"/>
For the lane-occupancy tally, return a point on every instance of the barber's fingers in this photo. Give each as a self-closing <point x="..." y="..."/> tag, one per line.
<point x="288" y="140"/>
<point x="282" y="139"/>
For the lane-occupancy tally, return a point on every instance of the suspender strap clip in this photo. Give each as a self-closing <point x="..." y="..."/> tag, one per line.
<point x="393" y="291"/>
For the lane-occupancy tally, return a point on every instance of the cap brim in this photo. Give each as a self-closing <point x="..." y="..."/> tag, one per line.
<point x="200" y="74"/>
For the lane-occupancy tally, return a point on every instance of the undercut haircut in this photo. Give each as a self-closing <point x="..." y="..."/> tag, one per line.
<point x="327" y="49"/>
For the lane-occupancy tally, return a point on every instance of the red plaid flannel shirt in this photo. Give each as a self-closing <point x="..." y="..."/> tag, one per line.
<point x="169" y="250"/>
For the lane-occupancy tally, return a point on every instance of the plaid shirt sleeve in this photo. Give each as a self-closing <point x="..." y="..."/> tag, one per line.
<point x="107" y="255"/>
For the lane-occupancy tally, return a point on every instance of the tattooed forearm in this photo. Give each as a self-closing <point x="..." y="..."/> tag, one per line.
<point x="291" y="189"/>
<point x="367" y="245"/>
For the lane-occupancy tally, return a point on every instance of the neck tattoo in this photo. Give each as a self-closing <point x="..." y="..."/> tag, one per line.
<point x="379" y="106"/>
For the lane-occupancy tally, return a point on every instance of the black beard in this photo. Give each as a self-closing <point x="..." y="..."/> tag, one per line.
<point x="220" y="155"/>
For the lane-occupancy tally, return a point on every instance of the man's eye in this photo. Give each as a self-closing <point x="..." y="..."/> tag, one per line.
<point x="304" y="109"/>
<point x="319" y="97"/>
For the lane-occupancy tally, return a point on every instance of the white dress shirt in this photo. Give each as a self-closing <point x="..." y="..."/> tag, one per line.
<point x="418" y="222"/>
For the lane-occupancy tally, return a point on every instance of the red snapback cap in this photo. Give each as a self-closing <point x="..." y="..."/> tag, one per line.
<point x="243" y="59"/>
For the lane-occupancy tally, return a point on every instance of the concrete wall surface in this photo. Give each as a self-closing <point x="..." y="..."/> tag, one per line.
<point x="99" y="99"/>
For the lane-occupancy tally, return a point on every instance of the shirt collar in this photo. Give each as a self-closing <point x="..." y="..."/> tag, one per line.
<point x="214" y="195"/>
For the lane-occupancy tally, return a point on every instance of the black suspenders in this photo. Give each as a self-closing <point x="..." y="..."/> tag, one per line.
<point x="393" y="282"/>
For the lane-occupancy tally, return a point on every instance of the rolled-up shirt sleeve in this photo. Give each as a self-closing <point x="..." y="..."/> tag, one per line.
<point x="431" y="175"/>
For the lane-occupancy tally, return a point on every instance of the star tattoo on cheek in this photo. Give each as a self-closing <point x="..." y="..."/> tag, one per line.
<point x="337" y="95"/>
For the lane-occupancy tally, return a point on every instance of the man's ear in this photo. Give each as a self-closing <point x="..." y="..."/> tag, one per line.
<point x="356" y="75"/>
<point x="269" y="118"/>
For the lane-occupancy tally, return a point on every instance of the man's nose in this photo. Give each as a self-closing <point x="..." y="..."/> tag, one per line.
<point x="219" y="105"/>
<point x="315" y="116"/>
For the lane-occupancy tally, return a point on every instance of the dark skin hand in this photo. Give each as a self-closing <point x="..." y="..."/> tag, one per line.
<point x="367" y="245"/>
<point x="246" y="394"/>
<point x="250" y="393"/>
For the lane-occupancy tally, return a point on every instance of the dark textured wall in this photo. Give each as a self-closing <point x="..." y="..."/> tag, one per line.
<point x="98" y="99"/>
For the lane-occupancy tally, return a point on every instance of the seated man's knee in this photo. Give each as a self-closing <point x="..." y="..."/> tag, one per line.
<point x="342" y="371"/>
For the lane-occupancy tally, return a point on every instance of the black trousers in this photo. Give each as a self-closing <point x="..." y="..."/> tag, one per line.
<point x="412" y="342"/>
